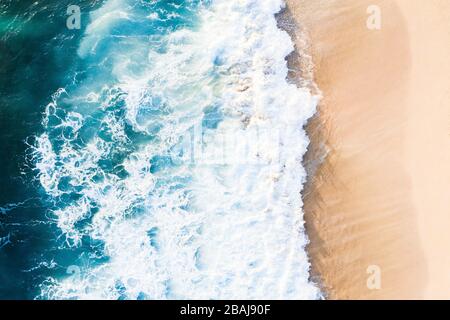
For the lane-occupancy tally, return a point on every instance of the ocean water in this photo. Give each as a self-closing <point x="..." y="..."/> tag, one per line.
<point x="156" y="153"/>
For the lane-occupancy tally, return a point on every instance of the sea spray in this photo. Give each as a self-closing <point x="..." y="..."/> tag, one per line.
<point x="174" y="160"/>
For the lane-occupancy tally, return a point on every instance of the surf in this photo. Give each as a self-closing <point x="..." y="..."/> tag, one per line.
<point x="173" y="157"/>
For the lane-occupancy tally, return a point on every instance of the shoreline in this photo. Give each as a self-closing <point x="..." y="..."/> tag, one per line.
<point x="364" y="205"/>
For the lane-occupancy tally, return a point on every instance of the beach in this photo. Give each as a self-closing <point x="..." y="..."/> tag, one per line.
<point x="376" y="208"/>
<point x="225" y="150"/>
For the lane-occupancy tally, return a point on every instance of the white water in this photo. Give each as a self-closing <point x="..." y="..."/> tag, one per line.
<point x="228" y="225"/>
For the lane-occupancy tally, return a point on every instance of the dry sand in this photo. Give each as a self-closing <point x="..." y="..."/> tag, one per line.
<point x="382" y="197"/>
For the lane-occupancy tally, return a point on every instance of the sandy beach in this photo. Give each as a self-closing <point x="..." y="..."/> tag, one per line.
<point x="379" y="205"/>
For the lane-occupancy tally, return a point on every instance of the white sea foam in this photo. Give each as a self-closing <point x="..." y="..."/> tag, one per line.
<point x="193" y="229"/>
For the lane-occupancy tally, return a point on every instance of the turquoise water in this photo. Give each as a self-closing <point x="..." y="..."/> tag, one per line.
<point x="145" y="156"/>
<point x="35" y="53"/>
